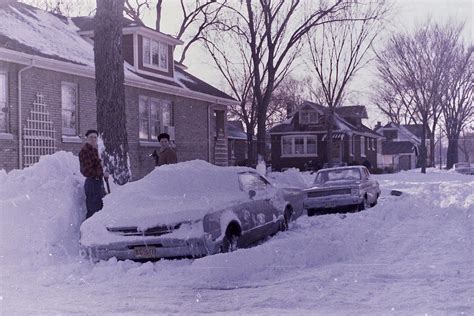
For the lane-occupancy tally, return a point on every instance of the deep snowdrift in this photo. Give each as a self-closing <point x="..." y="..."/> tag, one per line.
<point x="41" y="208"/>
<point x="408" y="255"/>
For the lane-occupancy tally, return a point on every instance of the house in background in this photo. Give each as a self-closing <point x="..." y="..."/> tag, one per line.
<point x="301" y="140"/>
<point x="47" y="92"/>
<point x="237" y="143"/>
<point x="398" y="155"/>
<point x="401" y="146"/>
<point x="466" y="148"/>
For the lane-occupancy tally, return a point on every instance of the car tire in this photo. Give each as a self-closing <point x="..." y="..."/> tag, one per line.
<point x="230" y="241"/>
<point x="364" y="205"/>
<point x="311" y="212"/>
<point x="287" y="215"/>
<point x="376" y="201"/>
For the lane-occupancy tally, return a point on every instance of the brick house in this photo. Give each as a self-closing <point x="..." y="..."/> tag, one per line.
<point x="301" y="140"/>
<point x="47" y="92"/>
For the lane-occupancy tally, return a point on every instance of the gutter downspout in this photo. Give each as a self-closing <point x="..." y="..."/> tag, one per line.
<point x="209" y="131"/>
<point x="20" y="136"/>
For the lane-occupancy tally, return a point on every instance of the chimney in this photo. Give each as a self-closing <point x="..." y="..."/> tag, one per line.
<point x="378" y="125"/>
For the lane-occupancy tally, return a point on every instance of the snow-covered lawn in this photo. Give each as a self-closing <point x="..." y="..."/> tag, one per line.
<point x="409" y="255"/>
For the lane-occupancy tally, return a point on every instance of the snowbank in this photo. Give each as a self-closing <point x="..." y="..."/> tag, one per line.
<point x="408" y="255"/>
<point x="289" y="178"/>
<point x="41" y="208"/>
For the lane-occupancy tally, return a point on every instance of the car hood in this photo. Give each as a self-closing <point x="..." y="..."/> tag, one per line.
<point x="167" y="212"/>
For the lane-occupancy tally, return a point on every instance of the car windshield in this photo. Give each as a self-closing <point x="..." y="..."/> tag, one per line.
<point x="338" y="175"/>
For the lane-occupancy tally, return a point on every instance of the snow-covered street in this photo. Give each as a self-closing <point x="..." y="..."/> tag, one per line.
<point x="408" y="255"/>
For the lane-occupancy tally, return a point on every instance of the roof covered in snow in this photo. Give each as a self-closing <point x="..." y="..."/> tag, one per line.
<point x="340" y="125"/>
<point x="235" y="130"/>
<point x="33" y="31"/>
<point x="357" y="111"/>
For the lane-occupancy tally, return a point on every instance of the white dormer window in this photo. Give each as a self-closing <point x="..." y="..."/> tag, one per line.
<point x="309" y="117"/>
<point x="155" y="54"/>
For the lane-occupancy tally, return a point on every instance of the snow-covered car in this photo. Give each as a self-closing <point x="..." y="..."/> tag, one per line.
<point x="339" y="188"/>
<point x="190" y="209"/>
<point x="464" y="168"/>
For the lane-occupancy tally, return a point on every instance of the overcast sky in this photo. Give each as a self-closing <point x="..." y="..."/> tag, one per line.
<point x="406" y="15"/>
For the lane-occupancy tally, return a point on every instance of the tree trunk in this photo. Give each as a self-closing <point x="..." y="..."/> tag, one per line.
<point x="261" y="130"/>
<point x="423" y="147"/>
<point x="329" y="122"/>
<point x="452" y="152"/>
<point x="158" y="15"/>
<point x="432" y="150"/>
<point x="110" y="91"/>
<point x="251" y="161"/>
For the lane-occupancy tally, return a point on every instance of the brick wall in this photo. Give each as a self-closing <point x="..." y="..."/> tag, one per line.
<point x="8" y="146"/>
<point x="190" y="118"/>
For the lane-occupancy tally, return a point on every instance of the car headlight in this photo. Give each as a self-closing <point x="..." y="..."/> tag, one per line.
<point x="355" y="192"/>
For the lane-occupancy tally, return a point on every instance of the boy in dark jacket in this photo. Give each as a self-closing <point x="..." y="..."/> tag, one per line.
<point x="167" y="154"/>
<point x="91" y="168"/>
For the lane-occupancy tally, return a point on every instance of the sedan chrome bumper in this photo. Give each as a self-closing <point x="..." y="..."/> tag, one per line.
<point x="154" y="249"/>
<point x="332" y="201"/>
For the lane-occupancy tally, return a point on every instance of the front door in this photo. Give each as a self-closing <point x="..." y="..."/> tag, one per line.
<point x="219" y="123"/>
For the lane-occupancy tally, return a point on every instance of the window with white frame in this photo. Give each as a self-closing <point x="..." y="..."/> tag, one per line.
<point x="299" y="145"/>
<point x="362" y="146"/>
<point x="154" y="117"/>
<point x="155" y="54"/>
<point x="3" y="102"/>
<point x="309" y="117"/>
<point x="69" y="108"/>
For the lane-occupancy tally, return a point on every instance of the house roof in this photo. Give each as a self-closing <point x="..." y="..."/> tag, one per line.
<point x="415" y="129"/>
<point x="393" y="148"/>
<point x="87" y="23"/>
<point x="341" y="125"/>
<point x="358" y="111"/>
<point x="35" y="32"/>
<point x="235" y="130"/>
<point x="408" y="130"/>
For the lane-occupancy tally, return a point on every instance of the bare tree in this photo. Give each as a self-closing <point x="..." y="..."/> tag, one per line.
<point x="457" y="103"/>
<point x="414" y="66"/>
<point x="231" y="58"/>
<point x="396" y="106"/>
<point x="64" y="7"/>
<point x="286" y="98"/>
<point x="273" y="31"/>
<point x="338" y="50"/>
<point x="134" y="10"/>
<point x="110" y="90"/>
<point x="196" y="20"/>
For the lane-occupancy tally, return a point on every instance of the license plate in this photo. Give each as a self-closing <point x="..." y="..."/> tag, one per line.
<point x="145" y="252"/>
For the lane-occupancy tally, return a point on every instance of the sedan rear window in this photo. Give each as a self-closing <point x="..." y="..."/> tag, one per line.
<point x="338" y="175"/>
